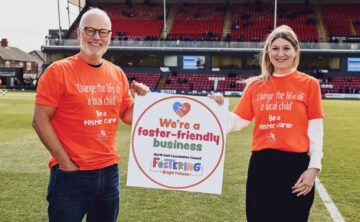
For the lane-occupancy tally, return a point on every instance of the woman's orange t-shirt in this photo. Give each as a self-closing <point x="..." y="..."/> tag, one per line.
<point x="282" y="107"/>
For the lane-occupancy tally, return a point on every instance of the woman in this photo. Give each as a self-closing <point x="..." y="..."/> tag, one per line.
<point x="287" y="136"/>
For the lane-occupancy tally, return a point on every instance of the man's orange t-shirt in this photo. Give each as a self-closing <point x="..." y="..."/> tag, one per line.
<point x="88" y="103"/>
<point x="282" y="107"/>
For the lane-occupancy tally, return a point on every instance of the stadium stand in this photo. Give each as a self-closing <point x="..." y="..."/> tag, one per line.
<point x="141" y="21"/>
<point x="236" y="30"/>
<point x="202" y="82"/>
<point x="149" y="79"/>
<point x="251" y="22"/>
<point x="198" y="22"/>
<point x="347" y="85"/>
<point x="301" y="17"/>
<point x="339" y="23"/>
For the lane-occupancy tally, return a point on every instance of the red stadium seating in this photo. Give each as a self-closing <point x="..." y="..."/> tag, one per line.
<point x="202" y="82"/>
<point x="301" y="18"/>
<point x="195" y="20"/>
<point x="339" y="18"/>
<point x="149" y="79"/>
<point x="137" y="22"/>
<point x="204" y="21"/>
<point x="256" y="20"/>
<point x="340" y="85"/>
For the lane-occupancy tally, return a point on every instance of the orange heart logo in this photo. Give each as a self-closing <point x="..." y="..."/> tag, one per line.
<point x="181" y="109"/>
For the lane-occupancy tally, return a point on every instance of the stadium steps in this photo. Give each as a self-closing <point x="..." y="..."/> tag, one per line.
<point x="161" y="84"/>
<point x="226" y="25"/>
<point x="352" y="28"/>
<point x="174" y="10"/>
<point x="320" y="26"/>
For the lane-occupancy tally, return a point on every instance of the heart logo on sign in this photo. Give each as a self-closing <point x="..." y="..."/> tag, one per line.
<point x="181" y="109"/>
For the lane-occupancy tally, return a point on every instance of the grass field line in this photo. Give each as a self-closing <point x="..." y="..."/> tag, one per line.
<point x="329" y="204"/>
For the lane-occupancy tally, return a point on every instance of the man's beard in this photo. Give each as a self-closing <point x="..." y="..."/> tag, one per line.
<point x="90" y="52"/>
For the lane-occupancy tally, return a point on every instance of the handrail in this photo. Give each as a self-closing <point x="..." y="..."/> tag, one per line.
<point x="207" y="45"/>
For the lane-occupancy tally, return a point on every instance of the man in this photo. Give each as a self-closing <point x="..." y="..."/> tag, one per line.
<point x="78" y="105"/>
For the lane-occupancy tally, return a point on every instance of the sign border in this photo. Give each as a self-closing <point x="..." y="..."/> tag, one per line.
<point x="177" y="187"/>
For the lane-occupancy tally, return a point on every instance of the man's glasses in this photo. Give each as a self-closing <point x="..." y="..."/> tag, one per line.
<point x="103" y="33"/>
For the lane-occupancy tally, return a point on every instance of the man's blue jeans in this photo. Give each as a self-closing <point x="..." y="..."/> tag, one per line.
<point x="95" y="193"/>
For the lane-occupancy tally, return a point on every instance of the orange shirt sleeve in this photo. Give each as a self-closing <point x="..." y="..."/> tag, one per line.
<point x="127" y="99"/>
<point x="50" y="87"/>
<point x="244" y="107"/>
<point x="314" y="106"/>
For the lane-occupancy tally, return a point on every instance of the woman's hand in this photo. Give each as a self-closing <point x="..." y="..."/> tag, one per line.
<point x="218" y="97"/>
<point x="305" y="182"/>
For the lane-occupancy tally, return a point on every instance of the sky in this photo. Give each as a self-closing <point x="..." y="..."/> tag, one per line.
<point x="25" y="23"/>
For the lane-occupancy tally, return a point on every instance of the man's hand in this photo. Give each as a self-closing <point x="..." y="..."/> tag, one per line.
<point x="68" y="166"/>
<point x="138" y="88"/>
<point x="42" y="125"/>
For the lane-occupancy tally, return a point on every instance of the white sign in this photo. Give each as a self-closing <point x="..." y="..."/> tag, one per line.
<point x="177" y="143"/>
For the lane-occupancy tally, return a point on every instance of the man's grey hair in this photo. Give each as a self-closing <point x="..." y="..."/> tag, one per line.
<point x="94" y="11"/>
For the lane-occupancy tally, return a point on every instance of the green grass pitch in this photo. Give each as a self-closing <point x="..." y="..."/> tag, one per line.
<point x="24" y="173"/>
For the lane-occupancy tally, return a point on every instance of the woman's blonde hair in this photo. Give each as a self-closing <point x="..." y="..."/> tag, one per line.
<point x="284" y="32"/>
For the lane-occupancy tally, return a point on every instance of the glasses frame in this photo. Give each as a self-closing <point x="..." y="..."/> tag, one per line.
<point x="103" y="33"/>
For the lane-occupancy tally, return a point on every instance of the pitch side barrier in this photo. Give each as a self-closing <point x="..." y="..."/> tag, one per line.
<point x="239" y="93"/>
<point x="341" y="96"/>
<point x="183" y="46"/>
<point x="197" y="92"/>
